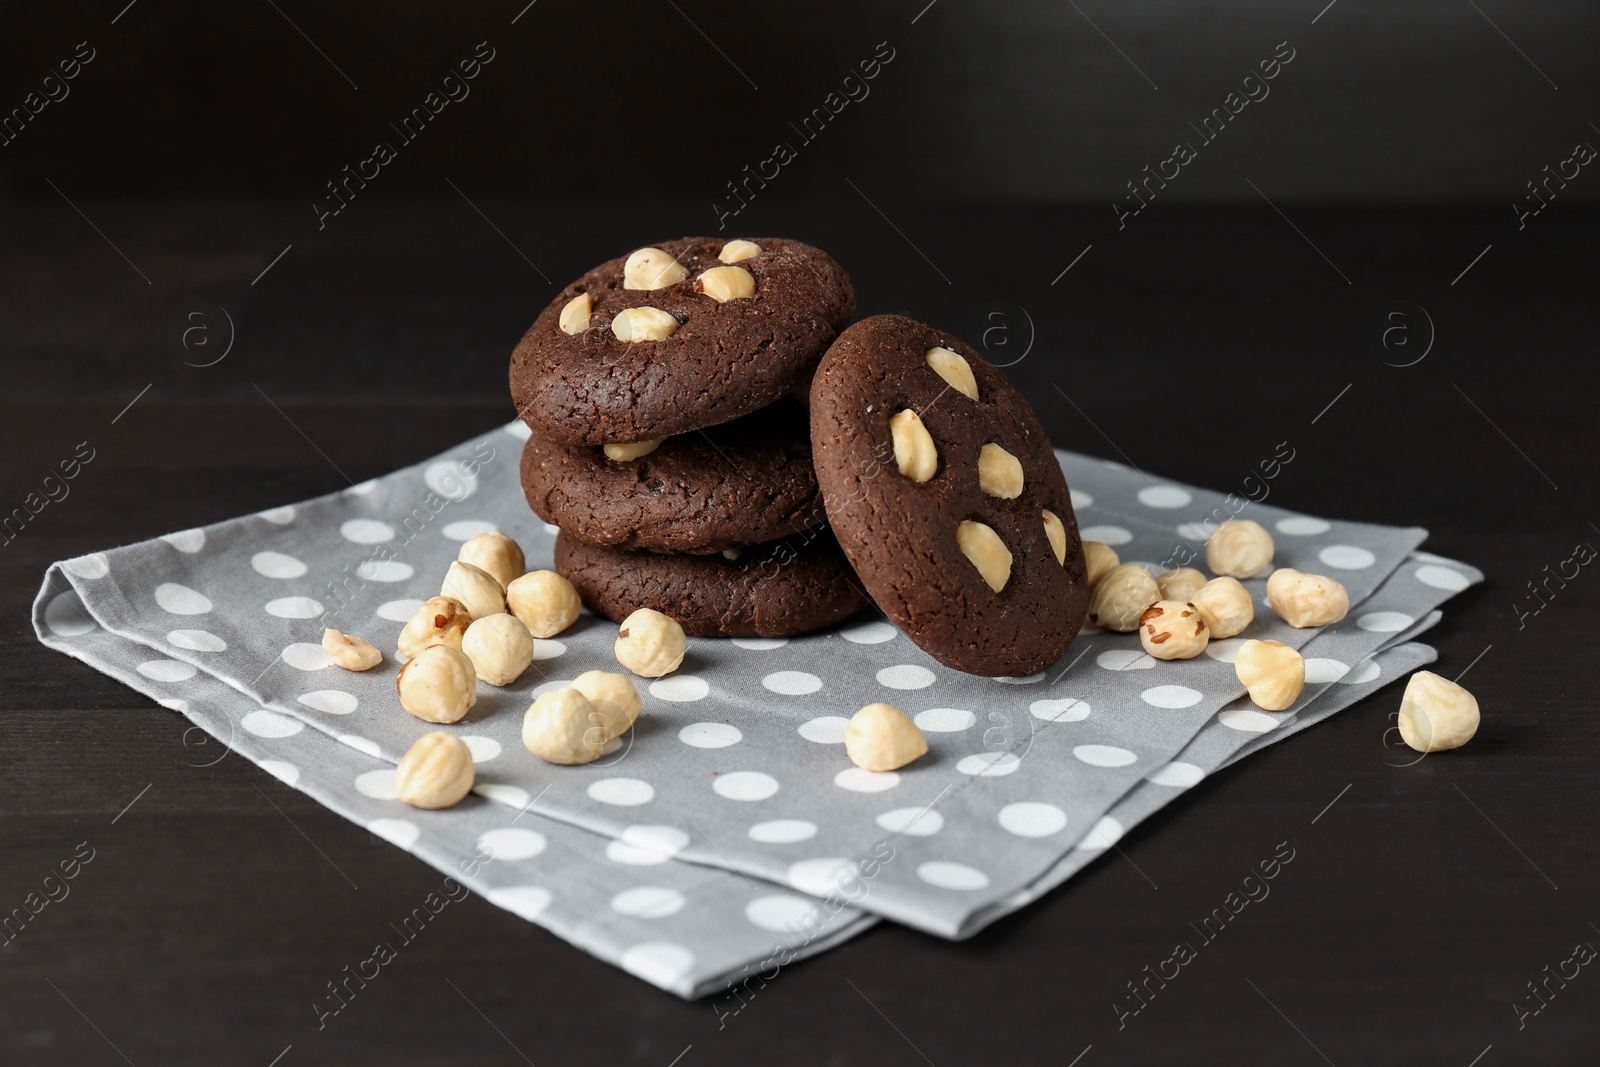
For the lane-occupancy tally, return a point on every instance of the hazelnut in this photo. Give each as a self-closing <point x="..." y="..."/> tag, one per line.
<point x="545" y="602"/>
<point x="914" y="453"/>
<point x="643" y="324"/>
<point x="732" y="553"/>
<point x="738" y="251"/>
<point x="575" y="314"/>
<point x="475" y="588"/>
<point x="1272" y="673"/>
<point x="1100" y="559"/>
<point x="999" y="472"/>
<point x="651" y="268"/>
<point x="1226" y="606"/>
<point x="1172" y="629"/>
<point x="881" y="738"/>
<point x="984" y="549"/>
<point x="632" y="450"/>
<point x="349" y="651"/>
<point x="723" y="284"/>
<point x="954" y="369"/>
<point x="442" y="620"/>
<point x="496" y="554"/>
<point x="561" y="727"/>
<point x="1239" y="548"/>
<point x="613" y="698"/>
<point x="436" y="772"/>
<point x="438" y="684"/>
<point x="1436" y="714"/>
<point x="499" y="647"/>
<point x="1302" y="599"/>
<point x="1181" y="583"/>
<point x="1120" y="597"/>
<point x="1056" y="533"/>
<point x="650" y="644"/>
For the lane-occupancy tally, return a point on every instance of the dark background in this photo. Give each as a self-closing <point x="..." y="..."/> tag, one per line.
<point x="1233" y="313"/>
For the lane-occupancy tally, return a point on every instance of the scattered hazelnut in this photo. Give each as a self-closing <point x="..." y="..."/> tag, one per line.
<point x="650" y="644"/>
<point x="1272" y="673"/>
<point x="1172" y="629"/>
<point x="1120" y="596"/>
<point x="983" y="547"/>
<point x="575" y="314"/>
<point x="732" y="553"/>
<point x="1437" y="714"/>
<point x="498" y="555"/>
<point x="545" y="602"/>
<point x="475" y="588"/>
<point x="613" y="697"/>
<point x="499" y="647"/>
<point x="560" y="727"/>
<point x="1100" y="559"/>
<point x="914" y="453"/>
<point x="632" y="450"/>
<point x="954" y="369"/>
<point x="651" y="268"/>
<point x="349" y="651"/>
<point x="1182" y="583"/>
<point x="723" y="284"/>
<point x="442" y="620"/>
<point x="738" y="251"/>
<point x="1239" y="548"/>
<point x="438" y="684"/>
<point x="1056" y="533"/>
<point x="643" y="324"/>
<point x="1302" y="599"/>
<point x="1226" y="606"/>
<point x="999" y="472"/>
<point x="436" y="772"/>
<point x="881" y="738"/>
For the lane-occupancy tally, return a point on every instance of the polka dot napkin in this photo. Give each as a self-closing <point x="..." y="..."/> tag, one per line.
<point x="737" y="763"/>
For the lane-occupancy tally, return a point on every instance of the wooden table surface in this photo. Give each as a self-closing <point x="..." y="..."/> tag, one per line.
<point x="1418" y="909"/>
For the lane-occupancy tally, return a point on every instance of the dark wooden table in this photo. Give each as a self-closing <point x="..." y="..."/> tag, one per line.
<point x="1418" y="907"/>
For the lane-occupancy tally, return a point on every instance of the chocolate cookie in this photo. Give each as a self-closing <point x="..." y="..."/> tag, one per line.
<point x="738" y="484"/>
<point x="777" y="589"/>
<point x="672" y="339"/>
<point x="944" y="493"/>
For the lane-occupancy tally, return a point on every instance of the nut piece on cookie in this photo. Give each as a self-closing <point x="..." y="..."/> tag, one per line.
<point x="1120" y="597"/>
<point x="738" y="251"/>
<point x="983" y="547"/>
<point x="1181" y="583"/>
<point x="495" y="553"/>
<point x="723" y="284"/>
<point x="1000" y="475"/>
<point x="650" y="644"/>
<point x="575" y="315"/>
<point x="914" y="453"/>
<point x="643" y="324"/>
<point x="1056" y="533"/>
<point x="442" y="620"/>
<point x="627" y="453"/>
<point x="545" y="602"/>
<point x="954" y="369"/>
<point x="651" y="268"/>
<point x="1173" y="629"/>
<point x="881" y="738"/>
<point x="349" y="651"/>
<point x="1099" y="559"/>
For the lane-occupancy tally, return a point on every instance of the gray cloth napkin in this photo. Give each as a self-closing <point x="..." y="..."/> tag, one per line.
<point x="737" y="761"/>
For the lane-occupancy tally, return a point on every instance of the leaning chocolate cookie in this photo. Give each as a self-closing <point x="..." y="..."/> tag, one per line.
<point x="778" y="589"/>
<point x="944" y="493"/>
<point x="676" y="337"/>
<point x="742" y="483"/>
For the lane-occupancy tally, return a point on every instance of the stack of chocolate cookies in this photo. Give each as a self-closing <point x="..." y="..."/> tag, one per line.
<point x="666" y="393"/>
